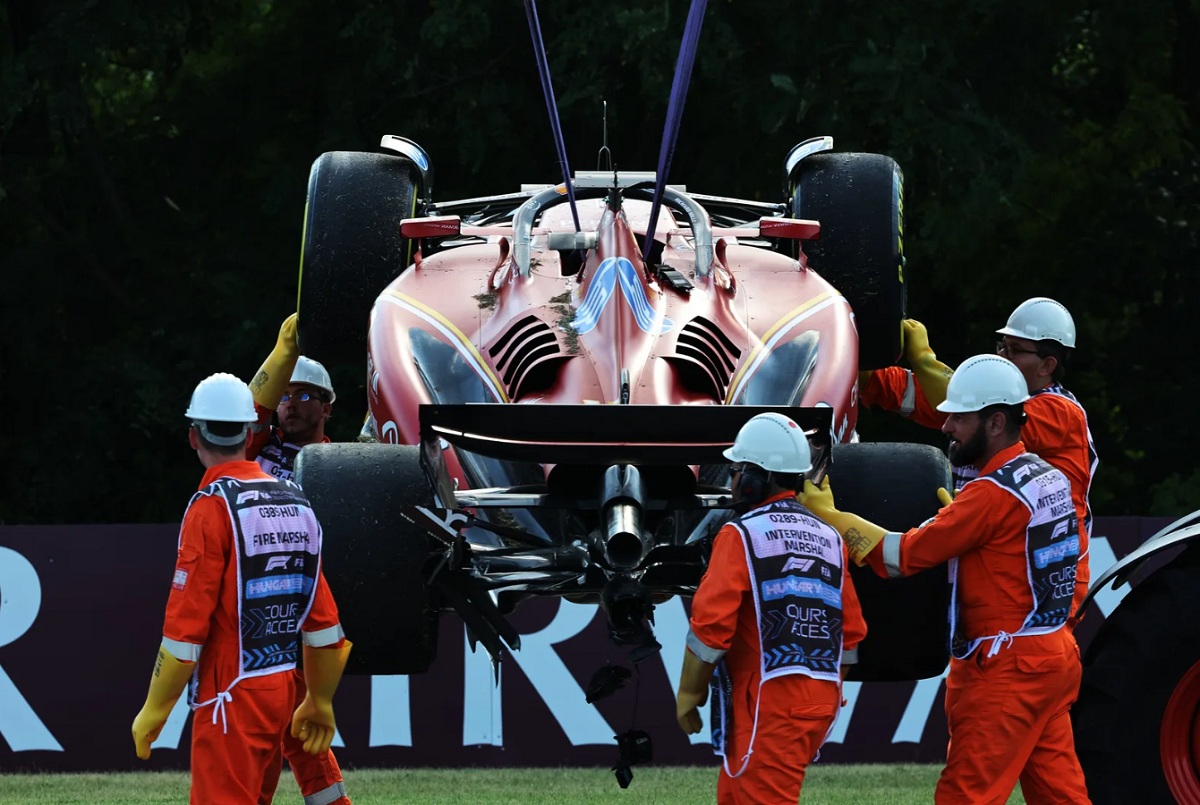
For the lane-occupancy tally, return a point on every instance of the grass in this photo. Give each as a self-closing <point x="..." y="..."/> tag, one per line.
<point x="824" y="785"/>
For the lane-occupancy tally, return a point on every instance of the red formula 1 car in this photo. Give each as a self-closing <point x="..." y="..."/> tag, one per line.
<point x="550" y="390"/>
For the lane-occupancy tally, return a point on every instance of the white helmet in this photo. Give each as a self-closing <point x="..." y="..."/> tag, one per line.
<point x="982" y="381"/>
<point x="773" y="442"/>
<point x="1040" y="319"/>
<point x="222" y="398"/>
<point x="314" y="374"/>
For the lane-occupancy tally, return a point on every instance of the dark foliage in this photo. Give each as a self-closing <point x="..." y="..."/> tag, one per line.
<point x="153" y="160"/>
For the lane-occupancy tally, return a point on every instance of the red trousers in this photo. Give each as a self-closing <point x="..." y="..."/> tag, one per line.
<point x="1009" y="720"/>
<point x="791" y="729"/>
<point x="241" y="762"/>
<point x="319" y="776"/>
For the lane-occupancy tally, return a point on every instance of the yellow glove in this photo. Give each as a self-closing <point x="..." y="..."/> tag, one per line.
<point x="272" y="378"/>
<point x="932" y="375"/>
<point x="944" y="496"/>
<point x="693" y="692"/>
<point x="860" y="536"/>
<point x="169" y="679"/>
<point x="313" y="720"/>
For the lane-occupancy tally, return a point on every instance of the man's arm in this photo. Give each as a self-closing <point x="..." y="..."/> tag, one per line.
<point x="196" y="585"/>
<point x="914" y="392"/>
<point x="854" y="626"/>
<point x="932" y="375"/>
<point x="270" y="382"/>
<point x="953" y="531"/>
<point x="272" y="378"/>
<point x="714" y="620"/>
<point x="166" y="684"/>
<point x="967" y="522"/>
<point x="693" y="692"/>
<point x="896" y="389"/>
<point x="326" y="651"/>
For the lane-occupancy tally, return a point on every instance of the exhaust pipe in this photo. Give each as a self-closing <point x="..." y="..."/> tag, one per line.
<point x="621" y="498"/>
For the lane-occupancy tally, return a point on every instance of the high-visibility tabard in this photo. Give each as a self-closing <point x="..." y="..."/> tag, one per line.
<point x="1051" y="550"/>
<point x="278" y="457"/>
<point x="279" y="548"/>
<point x="795" y="563"/>
<point x="1093" y="457"/>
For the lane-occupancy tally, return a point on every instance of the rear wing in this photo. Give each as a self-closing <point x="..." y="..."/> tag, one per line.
<point x="611" y="434"/>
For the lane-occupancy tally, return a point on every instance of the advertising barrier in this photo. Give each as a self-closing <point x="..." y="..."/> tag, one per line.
<point x="81" y="612"/>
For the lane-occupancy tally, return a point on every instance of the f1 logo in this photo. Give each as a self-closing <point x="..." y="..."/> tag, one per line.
<point x="794" y="563"/>
<point x="276" y="562"/>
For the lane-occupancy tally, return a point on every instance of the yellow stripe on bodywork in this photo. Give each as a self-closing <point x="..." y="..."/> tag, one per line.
<point x="793" y="316"/>
<point x="474" y="356"/>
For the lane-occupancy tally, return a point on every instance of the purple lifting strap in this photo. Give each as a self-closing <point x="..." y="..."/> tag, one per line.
<point x="539" y="50"/>
<point x="683" y="75"/>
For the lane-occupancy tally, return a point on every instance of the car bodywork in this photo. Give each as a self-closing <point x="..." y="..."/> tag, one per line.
<point x="714" y="321"/>
<point x="571" y="378"/>
<point x="553" y="376"/>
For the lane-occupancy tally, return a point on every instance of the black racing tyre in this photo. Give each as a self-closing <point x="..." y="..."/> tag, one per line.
<point x="1137" y="720"/>
<point x="351" y="247"/>
<point x="372" y="558"/>
<point x="859" y="201"/>
<point x="895" y="485"/>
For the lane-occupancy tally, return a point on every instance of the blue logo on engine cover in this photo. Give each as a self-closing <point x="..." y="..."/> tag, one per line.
<point x="600" y="291"/>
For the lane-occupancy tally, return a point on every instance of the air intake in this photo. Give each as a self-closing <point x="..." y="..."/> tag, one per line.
<point x="702" y="343"/>
<point x="527" y="344"/>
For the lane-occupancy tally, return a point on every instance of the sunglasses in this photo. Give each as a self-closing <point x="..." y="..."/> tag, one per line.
<point x="1009" y="350"/>
<point x="303" y="396"/>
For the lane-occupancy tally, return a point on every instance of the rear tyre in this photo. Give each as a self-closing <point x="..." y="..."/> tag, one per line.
<point x="895" y="485"/>
<point x="1137" y="720"/>
<point x="352" y="247"/>
<point x="859" y="201"/>
<point x="372" y="558"/>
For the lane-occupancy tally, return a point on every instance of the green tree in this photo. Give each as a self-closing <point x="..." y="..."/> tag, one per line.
<point x="153" y="160"/>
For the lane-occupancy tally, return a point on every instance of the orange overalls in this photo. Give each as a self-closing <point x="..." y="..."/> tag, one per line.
<point x="1056" y="429"/>
<point x="1008" y="701"/>
<point x="319" y="776"/>
<point x="795" y="711"/>
<point x="268" y="445"/>
<point x="237" y="758"/>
